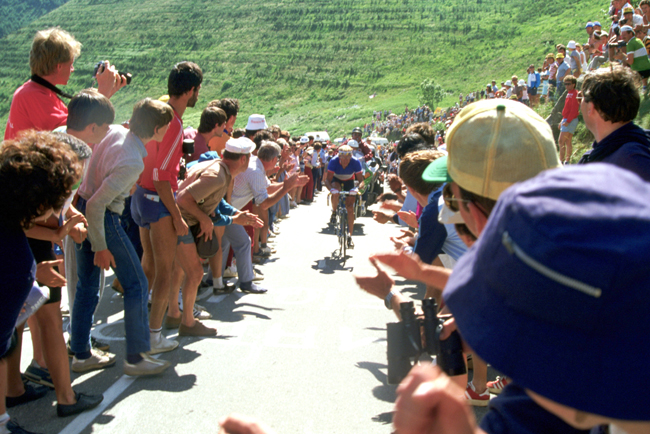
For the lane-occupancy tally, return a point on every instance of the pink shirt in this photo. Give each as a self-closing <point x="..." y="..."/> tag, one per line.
<point x="35" y="107"/>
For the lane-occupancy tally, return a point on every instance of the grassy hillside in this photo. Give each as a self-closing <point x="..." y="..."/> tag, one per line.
<point x="307" y="65"/>
<point x="15" y="14"/>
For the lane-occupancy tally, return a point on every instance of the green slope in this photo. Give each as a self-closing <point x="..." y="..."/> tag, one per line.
<point x="307" y="65"/>
<point x="17" y="13"/>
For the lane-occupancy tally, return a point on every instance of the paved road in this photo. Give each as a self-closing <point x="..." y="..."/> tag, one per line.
<point x="309" y="357"/>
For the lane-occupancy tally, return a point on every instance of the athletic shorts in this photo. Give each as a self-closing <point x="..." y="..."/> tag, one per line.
<point x="147" y="208"/>
<point x="532" y="91"/>
<point x="571" y="128"/>
<point x="644" y="74"/>
<point x="345" y="185"/>
<point x="42" y="251"/>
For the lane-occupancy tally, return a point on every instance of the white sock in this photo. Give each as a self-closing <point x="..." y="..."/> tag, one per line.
<point x="155" y="334"/>
<point x="4" y="419"/>
<point x="217" y="282"/>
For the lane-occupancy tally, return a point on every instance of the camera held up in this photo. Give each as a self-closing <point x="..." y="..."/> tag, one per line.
<point x="411" y="337"/>
<point x="99" y="68"/>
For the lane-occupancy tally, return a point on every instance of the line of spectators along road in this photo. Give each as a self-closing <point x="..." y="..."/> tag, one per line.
<point x="468" y="199"/>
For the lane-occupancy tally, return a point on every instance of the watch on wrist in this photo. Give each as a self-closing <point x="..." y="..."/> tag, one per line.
<point x="388" y="301"/>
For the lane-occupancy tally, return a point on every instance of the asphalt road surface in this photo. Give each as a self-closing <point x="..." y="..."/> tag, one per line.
<point x="308" y="357"/>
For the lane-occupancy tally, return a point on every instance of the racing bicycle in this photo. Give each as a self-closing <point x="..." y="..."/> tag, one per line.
<point x="342" y="220"/>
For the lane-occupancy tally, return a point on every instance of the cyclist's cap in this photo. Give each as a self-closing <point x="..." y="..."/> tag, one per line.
<point x="353" y="143"/>
<point x="242" y="145"/>
<point x="436" y="171"/>
<point x="495" y="143"/>
<point x="304" y="139"/>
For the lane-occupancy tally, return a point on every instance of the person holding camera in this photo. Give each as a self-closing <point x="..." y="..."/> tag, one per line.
<point x="37" y="104"/>
<point x="115" y="165"/>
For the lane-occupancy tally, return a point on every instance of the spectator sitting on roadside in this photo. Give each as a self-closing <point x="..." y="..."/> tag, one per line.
<point x="636" y="56"/>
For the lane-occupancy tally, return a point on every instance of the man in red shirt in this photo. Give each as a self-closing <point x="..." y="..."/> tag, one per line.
<point x="36" y="104"/>
<point x="153" y="205"/>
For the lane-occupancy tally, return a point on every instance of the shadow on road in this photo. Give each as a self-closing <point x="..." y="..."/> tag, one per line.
<point x="330" y="264"/>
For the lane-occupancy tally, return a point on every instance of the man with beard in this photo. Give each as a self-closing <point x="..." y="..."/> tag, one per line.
<point x="153" y="206"/>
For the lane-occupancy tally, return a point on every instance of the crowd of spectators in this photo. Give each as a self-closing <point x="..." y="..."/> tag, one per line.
<point x="483" y="216"/>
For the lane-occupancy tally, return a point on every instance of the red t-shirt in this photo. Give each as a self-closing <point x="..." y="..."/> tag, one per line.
<point x="35" y="107"/>
<point x="571" y="106"/>
<point x="163" y="158"/>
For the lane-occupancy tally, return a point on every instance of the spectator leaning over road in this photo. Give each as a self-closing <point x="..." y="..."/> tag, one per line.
<point x="569" y="121"/>
<point x="609" y="106"/>
<point x="511" y="134"/>
<point x="515" y="266"/>
<point x="37" y="174"/>
<point x="201" y="197"/>
<point x="114" y="168"/>
<point x="153" y="206"/>
<point x="636" y="56"/>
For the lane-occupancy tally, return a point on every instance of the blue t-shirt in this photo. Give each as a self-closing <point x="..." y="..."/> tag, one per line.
<point x="343" y="174"/>
<point x="18" y="271"/>
<point x="513" y="411"/>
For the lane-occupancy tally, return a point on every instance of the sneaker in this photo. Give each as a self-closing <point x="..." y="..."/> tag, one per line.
<point x="98" y="360"/>
<point x="84" y="402"/>
<point x="14" y="428"/>
<point x="147" y="366"/>
<point x="350" y="243"/>
<point x="476" y="399"/>
<point x="230" y="272"/>
<point x="253" y="289"/>
<point x="198" y="329"/>
<point x="498" y="385"/>
<point x="94" y="344"/>
<point x="38" y="375"/>
<point x="265" y="251"/>
<point x="162" y="344"/>
<point x="271" y="235"/>
<point x="293" y="204"/>
<point x="200" y="312"/>
<point x="258" y="259"/>
<point x="227" y="288"/>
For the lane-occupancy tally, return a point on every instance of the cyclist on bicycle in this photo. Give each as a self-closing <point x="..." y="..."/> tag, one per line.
<point x="342" y="171"/>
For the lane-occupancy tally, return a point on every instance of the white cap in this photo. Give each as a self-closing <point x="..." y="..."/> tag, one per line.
<point x="304" y="139"/>
<point x="571" y="45"/>
<point x="623" y="29"/>
<point x="352" y="143"/>
<point x="508" y="83"/>
<point x="242" y="145"/>
<point x="256" y="122"/>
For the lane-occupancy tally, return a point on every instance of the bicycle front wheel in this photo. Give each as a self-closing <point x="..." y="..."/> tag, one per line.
<point x="343" y="232"/>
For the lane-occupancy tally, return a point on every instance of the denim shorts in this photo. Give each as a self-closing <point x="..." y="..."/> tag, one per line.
<point x="147" y="208"/>
<point x="570" y="128"/>
<point x="185" y="239"/>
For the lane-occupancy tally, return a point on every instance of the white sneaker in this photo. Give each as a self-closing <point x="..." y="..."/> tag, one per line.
<point x="230" y="272"/>
<point x="147" y="366"/>
<point x="98" y="360"/>
<point x="162" y="344"/>
<point x="200" y="312"/>
<point x="293" y="204"/>
<point x="265" y="251"/>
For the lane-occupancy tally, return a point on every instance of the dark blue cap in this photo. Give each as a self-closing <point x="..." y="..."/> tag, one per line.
<point x="555" y="292"/>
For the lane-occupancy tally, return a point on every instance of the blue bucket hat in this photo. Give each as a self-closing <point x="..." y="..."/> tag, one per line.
<point x="555" y="292"/>
<point x="589" y="24"/>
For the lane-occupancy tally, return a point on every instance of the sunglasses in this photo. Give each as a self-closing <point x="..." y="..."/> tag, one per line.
<point x="345" y="153"/>
<point x="450" y="200"/>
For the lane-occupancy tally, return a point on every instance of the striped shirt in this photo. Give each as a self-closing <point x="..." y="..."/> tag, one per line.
<point x="251" y="184"/>
<point x="163" y="158"/>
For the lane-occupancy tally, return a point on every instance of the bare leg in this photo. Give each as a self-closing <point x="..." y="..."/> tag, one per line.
<point x="37" y="345"/>
<point x="3" y="386"/>
<point x="15" y="385"/>
<point x="163" y="242"/>
<point x="189" y="261"/>
<point x="55" y="352"/>
<point x="217" y="260"/>
<point x="562" y="146"/>
<point x="173" y="310"/>
<point x="569" y="147"/>
<point x="479" y="379"/>
<point x="147" y="256"/>
<point x="349" y="205"/>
